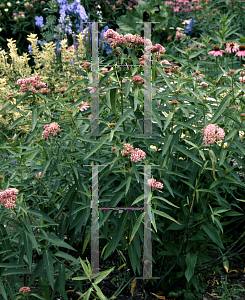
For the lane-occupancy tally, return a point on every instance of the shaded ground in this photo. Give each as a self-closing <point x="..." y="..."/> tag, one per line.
<point x="214" y="289"/>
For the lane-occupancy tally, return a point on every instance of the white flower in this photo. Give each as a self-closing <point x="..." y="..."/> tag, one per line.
<point x="186" y="22"/>
<point x="9" y="4"/>
<point x="179" y="28"/>
<point x="6" y="9"/>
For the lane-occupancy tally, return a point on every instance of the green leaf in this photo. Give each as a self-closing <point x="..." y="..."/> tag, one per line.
<point x="103" y="275"/>
<point x="2" y="290"/>
<point x="168" y="186"/>
<point x="127" y="87"/>
<point x="113" y="98"/>
<point x="156" y="117"/>
<point x="191" y="259"/>
<point x="136" y="172"/>
<point x="86" y="242"/>
<point x="138" y="199"/>
<point x="136" y="92"/>
<point x="128" y="184"/>
<point x="66" y="256"/>
<point x="160" y="70"/>
<point x="167" y="142"/>
<point x="239" y="146"/>
<point x="161" y="198"/>
<point x="57" y="241"/>
<point x="38" y="269"/>
<point x="123" y="183"/>
<point x="122" y="118"/>
<point x="80" y="100"/>
<point x="14" y="272"/>
<point x="117" y="234"/>
<point x="74" y="85"/>
<point x="168" y="120"/>
<point x="214" y="161"/>
<point x="187" y="153"/>
<point x="28" y="248"/>
<point x="221" y="108"/>
<point x="85" y="268"/>
<point x="87" y="294"/>
<point x="34" y="118"/>
<point x="45" y="166"/>
<point x="99" y="145"/>
<point x="213" y="234"/>
<point x="48" y="262"/>
<point x="161" y="213"/>
<point x="99" y="292"/>
<point x="222" y="156"/>
<point x="16" y="122"/>
<point x="225" y="263"/>
<point x="61" y="281"/>
<point x="136" y="227"/>
<point x="44" y="288"/>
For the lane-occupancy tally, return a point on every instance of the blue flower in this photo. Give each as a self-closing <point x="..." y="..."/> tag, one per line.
<point x="39" y="21"/>
<point x="189" y="27"/>
<point x="6" y="155"/>
<point x="30" y="49"/>
<point x="14" y="162"/>
<point x="103" y="43"/>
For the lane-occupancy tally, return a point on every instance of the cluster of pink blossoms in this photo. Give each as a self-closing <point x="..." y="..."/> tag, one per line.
<point x="137" y="79"/>
<point x="53" y="128"/>
<point x="83" y="106"/>
<point x="135" y="154"/>
<point x="19" y="15"/>
<point x="155" y="184"/>
<point x="25" y="290"/>
<point x="212" y="132"/>
<point x="115" y="39"/>
<point x="185" y="5"/>
<point x="8" y="197"/>
<point x="34" y="83"/>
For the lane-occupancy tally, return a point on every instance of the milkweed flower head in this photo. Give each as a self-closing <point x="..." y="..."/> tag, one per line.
<point x="155" y="184"/>
<point x="137" y="79"/>
<point x="32" y="82"/>
<point x="53" y="128"/>
<point x="8" y="198"/>
<point x="217" y="51"/>
<point x="25" y="290"/>
<point x="134" y="154"/>
<point x="86" y="65"/>
<point x="212" y="133"/>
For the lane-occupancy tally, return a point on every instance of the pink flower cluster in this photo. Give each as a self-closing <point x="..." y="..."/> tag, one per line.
<point x="185" y="5"/>
<point x="131" y="3"/>
<point x="137" y="79"/>
<point x="155" y="184"/>
<point x="212" y="132"/>
<point x="86" y="65"/>
<point x="179" y="35"/>
<point x="34" y="83"/>
<point x="115" y="39"/>
<point x="135" y="154"/>
<point x="18" y="16"/>
<point x="10" y="96"/>
<point x="83" y="106"/>
<point x="53" y="128"/>
<point x="25" y="290"/>
<point x="8" y="197"/>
